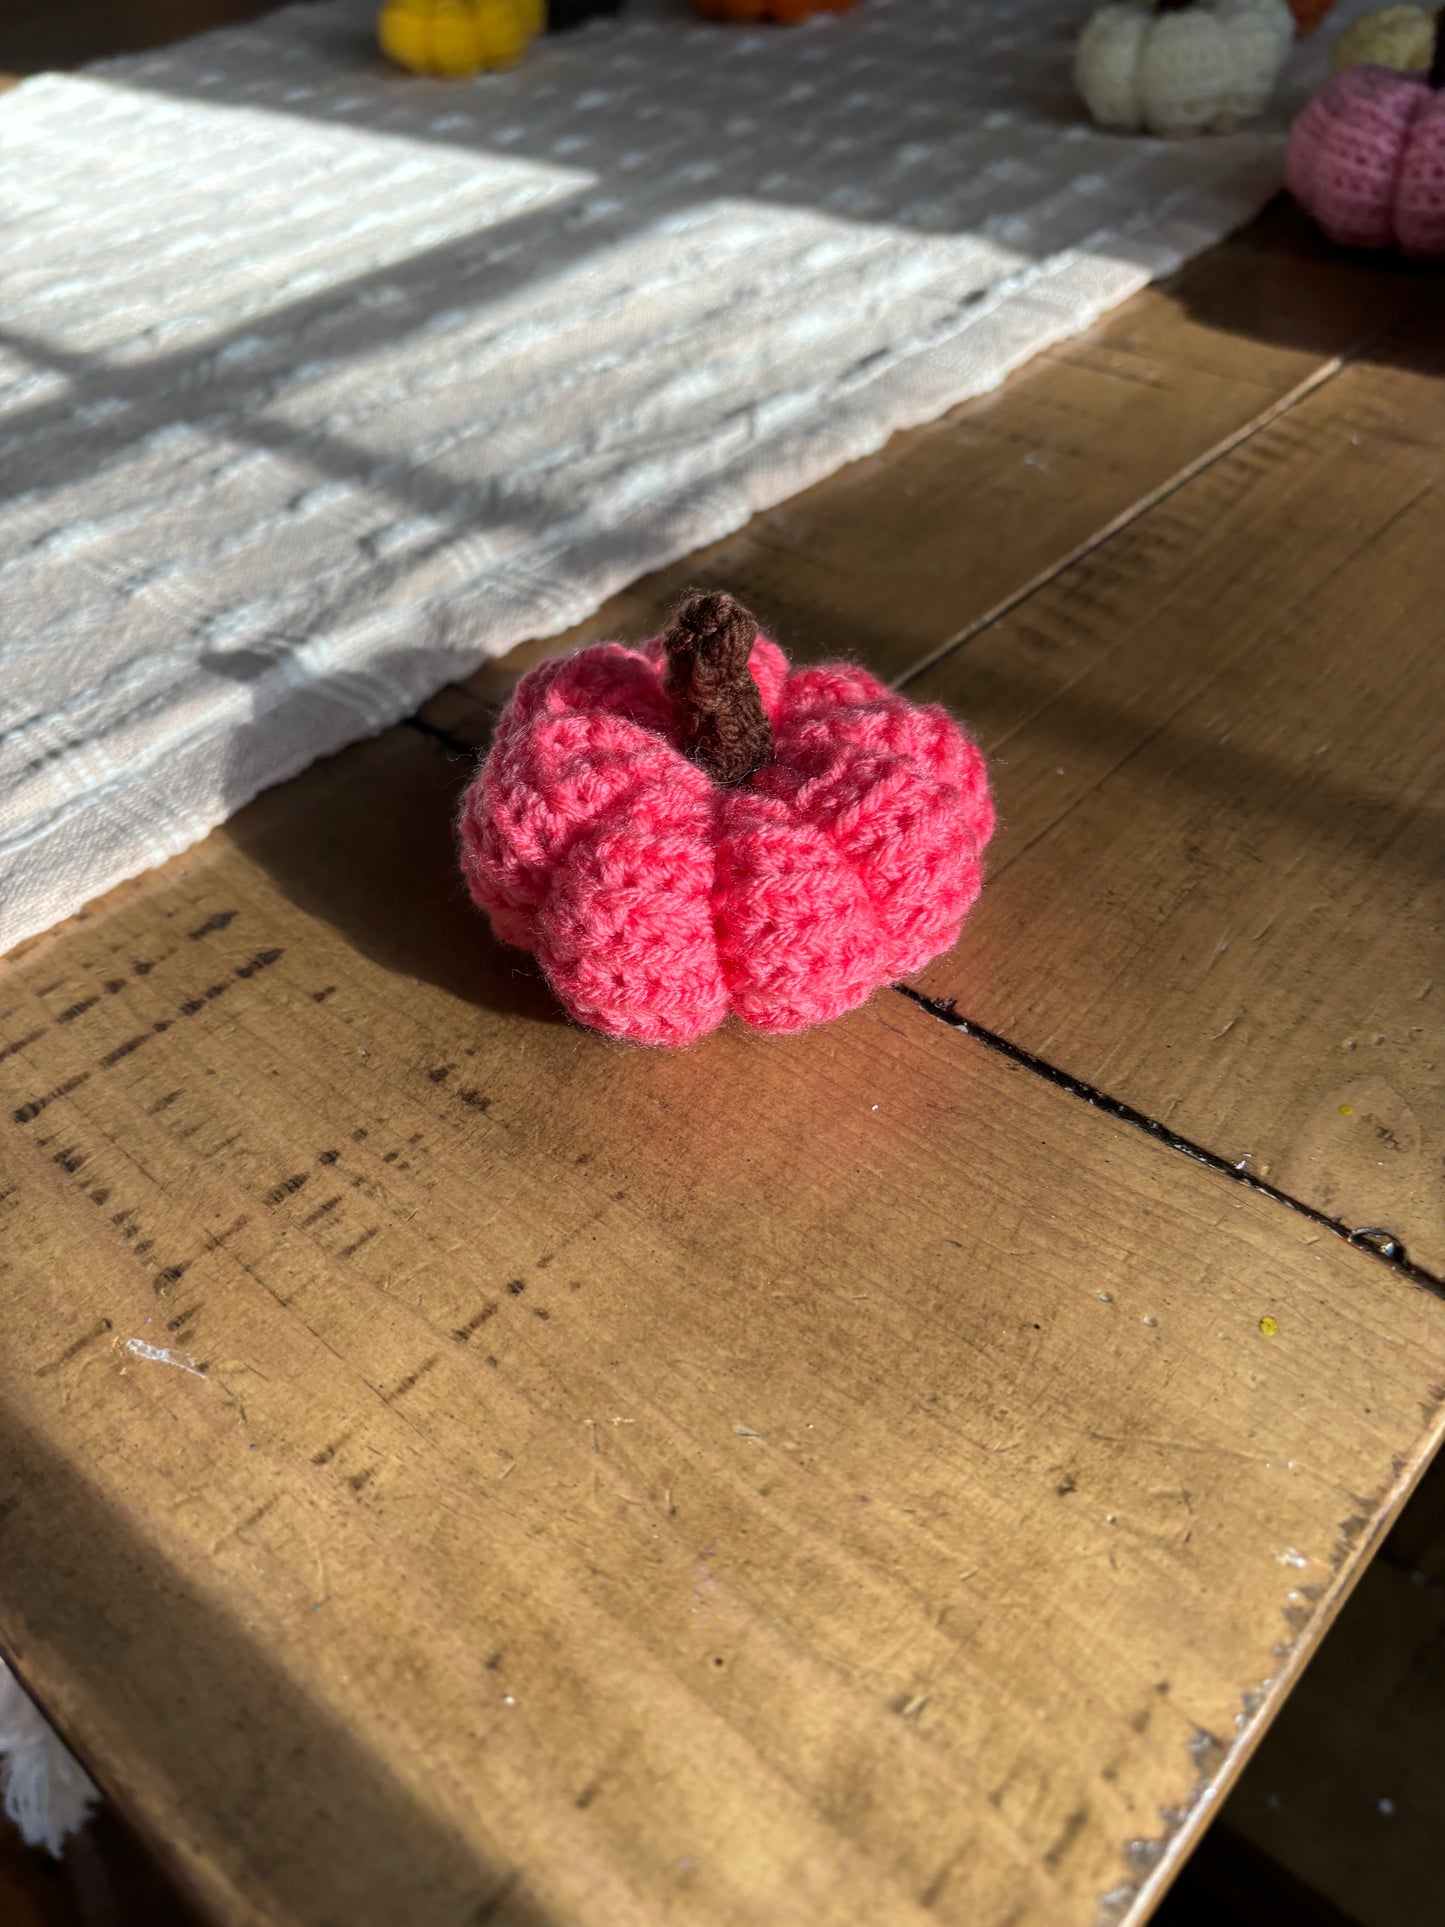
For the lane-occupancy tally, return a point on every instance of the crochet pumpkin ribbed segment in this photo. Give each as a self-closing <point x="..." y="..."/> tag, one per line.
<point x="658" y="900"/>
<point x="1181" y="67"/>
<point x="1367" y="157"/>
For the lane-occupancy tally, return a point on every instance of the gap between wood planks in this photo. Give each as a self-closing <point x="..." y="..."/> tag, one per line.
<point x="1317" y="379"/>
<point x="1377" y="1240"/>
<point x="1374" y="1239"/>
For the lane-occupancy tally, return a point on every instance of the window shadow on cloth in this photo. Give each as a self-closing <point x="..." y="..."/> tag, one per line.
<point x="364" y="840"/>
<point x="166" y="1684"/>
<point x="237" y="385"/>
<point x="815" y="125"/>
<point x="632" y="174"/>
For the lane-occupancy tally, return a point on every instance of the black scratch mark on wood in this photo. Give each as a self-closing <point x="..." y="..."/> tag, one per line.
<point x="475" y="1323"/>
<point x="21" y="1043"/>
<point x="97" y="1330"/>
<point x="286" y="1188"/>
<point x="32" y="1110"/>
<point x="262" y="960"/>
<point x="412" y="1378"/>
<point x="220" y="921"/>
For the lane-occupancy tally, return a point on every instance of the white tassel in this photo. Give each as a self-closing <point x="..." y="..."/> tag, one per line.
<point x="47" y="1792"/>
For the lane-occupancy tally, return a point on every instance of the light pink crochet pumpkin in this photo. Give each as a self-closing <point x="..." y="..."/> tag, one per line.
<point x="691" y="829"/>
<point x="1367" y="157"/>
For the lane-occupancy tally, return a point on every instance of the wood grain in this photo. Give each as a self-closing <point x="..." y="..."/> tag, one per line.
<point x="1215" y="799"/>
<point x="1217" y="745"/>
<point x="790" y="1481"/>
<point x="456" y="1471"/>
<point x="895" y="557"/>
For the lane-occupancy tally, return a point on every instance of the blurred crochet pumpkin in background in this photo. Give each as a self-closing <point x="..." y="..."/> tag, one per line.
<point x="454" y="38"/>
<point x="1308" y="14"/>
<point x="1367" y="156"/>
<point x="1178" y="67"/>
<point x="691" y="829"/>
<point x="781" y="10"/>
<point x="1399" y="37"/>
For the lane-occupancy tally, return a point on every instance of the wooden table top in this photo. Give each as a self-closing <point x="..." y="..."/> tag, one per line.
<point x="889" y="1475"/>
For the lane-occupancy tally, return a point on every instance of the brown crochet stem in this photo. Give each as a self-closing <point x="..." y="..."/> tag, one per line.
<point x="1436" y="75"/>
<point x="724" y="730"/>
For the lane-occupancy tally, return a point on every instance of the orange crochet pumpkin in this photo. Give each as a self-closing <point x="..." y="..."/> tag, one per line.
<point x="1308" y="14"/>
<point x="749" y="10"/>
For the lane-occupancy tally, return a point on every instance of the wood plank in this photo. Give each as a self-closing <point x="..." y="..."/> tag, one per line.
<point x="893" y="557"/>
<point x="37" y="35"/>
<point x="1357" y="1126"/>
<point x="1216" y="895"/>
<point x="788" y="1481"/>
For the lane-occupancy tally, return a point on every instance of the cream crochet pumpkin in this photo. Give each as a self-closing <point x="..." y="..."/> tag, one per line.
<point x="1178" y="68"/>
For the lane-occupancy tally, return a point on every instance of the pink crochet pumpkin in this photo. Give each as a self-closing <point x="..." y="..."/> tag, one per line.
<point x="691" y="828"/>
<point x="1367" y="157"/>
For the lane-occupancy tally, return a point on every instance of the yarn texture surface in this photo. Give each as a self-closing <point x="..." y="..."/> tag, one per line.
<point x="658" y="899"/>
<point x="1367" y="157"/>
<point x="337" y="383"/>
<point x="1402" y="37"/>
<point x="1175" y="70"/>
<point x="453" y="38"/>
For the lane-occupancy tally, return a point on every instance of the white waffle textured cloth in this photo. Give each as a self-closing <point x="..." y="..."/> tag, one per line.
<point x="319" y="383"/>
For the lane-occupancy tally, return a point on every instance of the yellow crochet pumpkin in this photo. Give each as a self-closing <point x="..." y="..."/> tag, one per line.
<point x="1400" y="37"/>
<point x="455" y="38"/>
